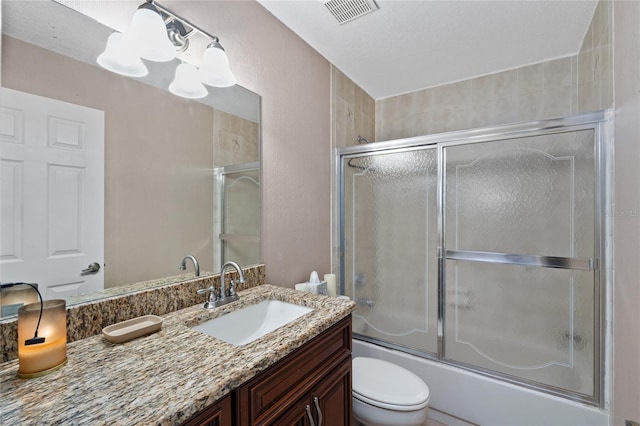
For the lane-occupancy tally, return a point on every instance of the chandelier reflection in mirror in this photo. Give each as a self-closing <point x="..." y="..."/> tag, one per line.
<point x="156" y="34"/>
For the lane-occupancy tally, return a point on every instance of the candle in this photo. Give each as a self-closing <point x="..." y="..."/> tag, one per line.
<point x="37" y="357"/>
<point x="43" y="356"/>
<point x="331" y="284"/>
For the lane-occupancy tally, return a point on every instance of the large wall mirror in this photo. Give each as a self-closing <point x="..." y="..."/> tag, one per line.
<point x="181" y="177"/>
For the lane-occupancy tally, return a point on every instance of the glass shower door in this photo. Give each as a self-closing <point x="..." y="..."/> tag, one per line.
<point x="389" y="243"/>
<point x="484" y="249"/>
<point x="238" y="203"/>
<point x="520" y="250"/>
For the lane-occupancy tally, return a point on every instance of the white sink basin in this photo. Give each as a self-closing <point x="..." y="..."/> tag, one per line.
<point x="248" y="324"/>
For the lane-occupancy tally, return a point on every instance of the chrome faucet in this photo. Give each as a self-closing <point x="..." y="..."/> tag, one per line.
<point x="232" y="283"/>
<point x="223" y="298"/>
<point x="183" y="265"/>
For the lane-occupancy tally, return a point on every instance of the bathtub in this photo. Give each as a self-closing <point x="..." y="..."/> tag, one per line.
<point x="459" y="394"/>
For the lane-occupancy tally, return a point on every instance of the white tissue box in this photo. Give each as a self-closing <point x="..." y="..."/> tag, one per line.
<point x="320" y="288"/>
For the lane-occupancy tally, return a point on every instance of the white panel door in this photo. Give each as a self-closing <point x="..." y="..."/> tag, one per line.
<point x="51" y="194"/>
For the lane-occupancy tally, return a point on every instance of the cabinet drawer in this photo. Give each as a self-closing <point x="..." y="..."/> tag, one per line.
<point x="266" y="395"/>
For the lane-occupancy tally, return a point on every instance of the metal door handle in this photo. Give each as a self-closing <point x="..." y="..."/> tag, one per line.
<point x="92" y="268"/>
<point x="316" y="401"/>
<point x="311" y="422"/>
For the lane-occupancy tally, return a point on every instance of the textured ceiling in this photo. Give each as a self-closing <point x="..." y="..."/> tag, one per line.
<point x="411" y="45"/>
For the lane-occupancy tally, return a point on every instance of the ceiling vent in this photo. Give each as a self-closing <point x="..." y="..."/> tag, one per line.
<point x="348" y="10"/>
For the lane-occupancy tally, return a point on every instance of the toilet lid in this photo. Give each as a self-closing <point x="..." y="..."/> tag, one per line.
<point x="387" y="385"/>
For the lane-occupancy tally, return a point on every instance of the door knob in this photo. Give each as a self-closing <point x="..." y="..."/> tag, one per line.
<point x="92" y="268"/>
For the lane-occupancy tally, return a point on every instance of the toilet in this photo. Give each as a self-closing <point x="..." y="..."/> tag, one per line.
<point x="385" y="394"/>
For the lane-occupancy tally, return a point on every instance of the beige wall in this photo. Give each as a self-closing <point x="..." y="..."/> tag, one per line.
<point x="158" y="189"/>
<point x="293" y="80"/>
<point x="626" y="211"/>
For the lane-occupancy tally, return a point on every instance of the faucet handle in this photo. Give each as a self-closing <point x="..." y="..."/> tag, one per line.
<point x="209" y="304"/>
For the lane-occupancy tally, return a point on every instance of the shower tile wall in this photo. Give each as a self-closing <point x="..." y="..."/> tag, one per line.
<point x="236" y="139"/>
<point x="352" y="115"/>
<point x="547" y="89"/>
<point x="353" y="111"/>
<point x="595" y="71"/>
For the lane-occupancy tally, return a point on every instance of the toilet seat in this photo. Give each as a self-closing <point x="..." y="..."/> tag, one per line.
<point x="386" y="385"/>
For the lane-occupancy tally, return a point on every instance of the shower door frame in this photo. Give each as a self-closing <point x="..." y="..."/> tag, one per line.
<point x="600" y="123"/>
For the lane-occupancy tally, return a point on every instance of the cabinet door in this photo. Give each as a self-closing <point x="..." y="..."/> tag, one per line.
<point x="269" y="395"/>
<point x="333" y="398"/>
<point x="296" y="415"/>
<point x="218" y="414"/>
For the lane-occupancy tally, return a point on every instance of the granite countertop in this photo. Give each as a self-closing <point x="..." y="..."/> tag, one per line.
<point x="163" y="378"/>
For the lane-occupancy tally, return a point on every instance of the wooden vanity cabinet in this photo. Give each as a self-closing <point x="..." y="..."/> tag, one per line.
<point x="320" y="369"/>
